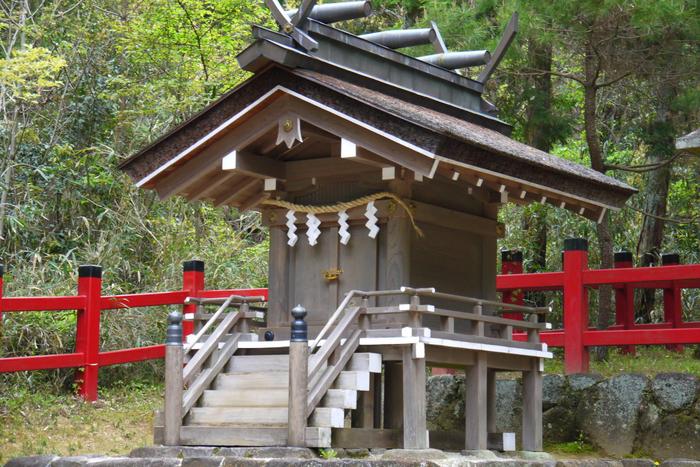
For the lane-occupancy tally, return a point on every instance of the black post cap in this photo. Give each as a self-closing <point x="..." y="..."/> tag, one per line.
<point x="575" y="244"/>
<point x="173" y="335"/>
<point x="623" y="256"/>
<point x="90" y="270"/>
<point x="193" y="265"/>
<point x="515" y="256"/>
<point x="299" y="326"/>
<point x="269" y="336"/>
<point x="2" y="270"/>
<point x="670" y="258"/>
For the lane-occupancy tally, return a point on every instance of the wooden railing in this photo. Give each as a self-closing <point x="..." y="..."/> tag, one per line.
<point x="574" y="282"/>
<point x="355" y="322"/>
<point x="89" y="303"/>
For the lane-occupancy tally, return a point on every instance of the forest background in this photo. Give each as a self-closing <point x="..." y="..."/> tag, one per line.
<point x="85" y="83"/>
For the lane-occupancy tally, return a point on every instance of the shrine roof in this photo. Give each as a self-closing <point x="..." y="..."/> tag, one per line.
<point x="437" y="143"/>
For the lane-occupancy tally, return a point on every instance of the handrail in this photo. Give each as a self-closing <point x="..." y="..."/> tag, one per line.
<point x="208" y="324"/>
<point x="476" y="301"/>
<point x="348" y="296"/>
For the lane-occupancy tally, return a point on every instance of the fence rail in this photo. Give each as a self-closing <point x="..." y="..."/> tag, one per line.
<point x="89" y="304"/>
<point x="573" y="281"/>
<point x="576" y="279"/>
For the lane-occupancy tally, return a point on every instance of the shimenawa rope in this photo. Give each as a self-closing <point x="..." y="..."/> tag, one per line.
<point x="343" y="206"/>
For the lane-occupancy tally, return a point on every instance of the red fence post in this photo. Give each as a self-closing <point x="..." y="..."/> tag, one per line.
<point x="673" y="312"/>
<point x="87" y="335"/>
<point x="624" y="299"/>
<point x="192" y="283"/>
<point x="512" y="263"/>
<point x="575" y="305"/>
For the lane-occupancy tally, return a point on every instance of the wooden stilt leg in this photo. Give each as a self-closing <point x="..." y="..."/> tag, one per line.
<point x="414" y="427"/>
<point x="475" y="405"/>
<point x="393" y="396"/>
<point x="491" y="401"/>
<point x="532" y="408"/>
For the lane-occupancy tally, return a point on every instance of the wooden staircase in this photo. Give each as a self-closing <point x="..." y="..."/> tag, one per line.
<point x="247" y="403"/>
<point x="232" y="398"/>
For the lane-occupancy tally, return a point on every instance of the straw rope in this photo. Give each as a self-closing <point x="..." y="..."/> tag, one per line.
<point x="343" y="206"/>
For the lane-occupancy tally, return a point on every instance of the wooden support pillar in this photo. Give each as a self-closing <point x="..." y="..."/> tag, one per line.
<point x="415" y="434"/>
<point x="532" y="407"/>
<point x="87" y="335"/>
<point x="673" y="308"/>
<point x="173" y="380"/>
<point x="192" y="283"/>
<point x="475" y="403"/>
<point x="298" y="379"/>
<point x="393" y="396"/>
<point x="576" y="357"/>
<point x="624" y="298"/>
<point x="491" y="401"/>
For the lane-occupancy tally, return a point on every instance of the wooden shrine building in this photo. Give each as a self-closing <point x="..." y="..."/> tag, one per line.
<point x="380" y="177"/>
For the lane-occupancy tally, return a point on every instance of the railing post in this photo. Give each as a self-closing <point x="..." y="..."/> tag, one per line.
<point x="298" y="379"/>
<point x="192" y="283"/>
<point x="512" y="263"/>
<point x="173" y="380"/>
<point x="575" y="305"/>
<point x="673" y="312"/>
<point x="624" y="298"/>
<point x="87" y="334"/>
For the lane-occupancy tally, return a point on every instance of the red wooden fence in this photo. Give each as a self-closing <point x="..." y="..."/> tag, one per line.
<point x="576" y="279"/>
<point x="89" y="303"/>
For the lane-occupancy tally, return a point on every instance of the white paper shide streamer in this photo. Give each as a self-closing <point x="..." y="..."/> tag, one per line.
<point x="312" y="232"/>
<point x="343" y="230"/>
<point x="371" y="223"/>
<point x="291" y="228"/>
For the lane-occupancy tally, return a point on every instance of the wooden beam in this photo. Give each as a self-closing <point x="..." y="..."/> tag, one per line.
<point x="236" y="190"/>
<point x="253" y="165"/>
<point x="211" y="187"/>
<point x="207" y="158"/>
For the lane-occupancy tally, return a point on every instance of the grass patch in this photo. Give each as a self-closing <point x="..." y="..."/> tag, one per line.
<point x="38" y="422"/>
<point x="649" y="360"/>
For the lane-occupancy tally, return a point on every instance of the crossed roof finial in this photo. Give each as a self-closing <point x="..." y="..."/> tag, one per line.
<point x="292" y="26"/>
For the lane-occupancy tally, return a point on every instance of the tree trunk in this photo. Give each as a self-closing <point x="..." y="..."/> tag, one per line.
<point x="659" y="139"/>
<point x="591" y="72"/>
<point x="538" y="134"/>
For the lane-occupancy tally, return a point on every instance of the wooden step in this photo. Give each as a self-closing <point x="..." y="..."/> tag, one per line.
<point x="246" y="398"/>
<point x="366" y="361"/>
<point x="330" y="417"/>
<point x="316" y="437"/>
<point x="258" y="363"/>
<point x="252" y="380"/>
<point x="341" y="398"/>
<point x="357" y="380"/>
<point x="238" y="416"/>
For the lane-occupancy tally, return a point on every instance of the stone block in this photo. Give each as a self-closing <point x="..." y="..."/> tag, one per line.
<point x="172" y="451"/>
<point x="671" y="435"/>
<point x="609" y="413"/>
<point x="559" y="425"/>
<point x="553" y="390"/>
<point x="445" y="403"/>
<point x="211" y="461"/>
<point x="638" y="463"/>
<point x="674" y="391"/>
<point x="583" y="381"/>
<point x="31" y="461"/>
<point x="680" y="463"/>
